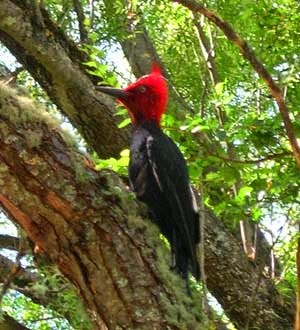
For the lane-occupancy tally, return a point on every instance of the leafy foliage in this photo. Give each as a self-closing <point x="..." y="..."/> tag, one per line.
<point x="33" y="315"/>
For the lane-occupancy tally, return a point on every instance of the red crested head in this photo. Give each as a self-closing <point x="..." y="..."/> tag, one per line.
<point x="145" y="99"/>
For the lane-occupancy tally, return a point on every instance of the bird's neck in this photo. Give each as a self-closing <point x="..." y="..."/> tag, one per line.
<point x="149" y="123"/>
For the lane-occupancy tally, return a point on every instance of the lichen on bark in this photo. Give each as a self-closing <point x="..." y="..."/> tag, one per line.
<point x="91" y="228"/>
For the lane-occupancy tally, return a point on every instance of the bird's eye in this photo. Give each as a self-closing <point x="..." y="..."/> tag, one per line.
<point x="142" y="89"/>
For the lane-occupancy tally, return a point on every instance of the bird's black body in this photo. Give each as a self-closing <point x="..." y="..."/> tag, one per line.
<point x="159" y="177"/>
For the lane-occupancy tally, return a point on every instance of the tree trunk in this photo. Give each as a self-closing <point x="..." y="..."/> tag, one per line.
<point x="87" y="222"/>
<point x="90" y="226"/>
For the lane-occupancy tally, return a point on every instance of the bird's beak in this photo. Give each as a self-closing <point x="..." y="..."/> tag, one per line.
<point x="115" y="92"/>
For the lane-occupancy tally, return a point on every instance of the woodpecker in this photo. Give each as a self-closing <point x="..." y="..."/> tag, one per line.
<point x="158" y="172"/>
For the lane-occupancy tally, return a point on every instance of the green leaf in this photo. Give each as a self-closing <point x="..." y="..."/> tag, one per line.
<point x="125" y="153"/>
<point x="212" y="176"/>
<point x="91" y="64"/>
<point x="244" y="192"/>
<point x="124" y="123"/>
<point x="219" y="87"/>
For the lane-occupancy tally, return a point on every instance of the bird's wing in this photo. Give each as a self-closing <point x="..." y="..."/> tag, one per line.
<point x="170" y="173"/>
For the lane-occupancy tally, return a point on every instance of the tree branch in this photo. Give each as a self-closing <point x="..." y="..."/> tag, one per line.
<point x="23" y="276"/>
<point x="248" y="54"/>
<point x="207" y="51"/>
<point x="251" y="161"/>
<point x="84" y="36"/>
<point x="9" y="242"/>
<point x="9" y="78"/>
<point x="56" y="64"/>
<point x="33" y="286"/>
<point x="14" y="271"/>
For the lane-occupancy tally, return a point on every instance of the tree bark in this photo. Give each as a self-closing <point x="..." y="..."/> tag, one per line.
<point x="34" y="286"/>
<point x="140" y="53"/>
<point x="91" y="227"/>
<point x="57" y="65"/>
<point x="9" y="242"/>
<point x="87" y="222"/>
<point x="22" y="278"/>
<point x="8" y="323"/>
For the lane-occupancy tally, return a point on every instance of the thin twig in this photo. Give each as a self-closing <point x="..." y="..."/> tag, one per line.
<point x="297" y="320"/>
<point x="92" y="14"/>
<point x="11" y="77"/>
<point x="84" y="38"/>
<point x="260" y="276"/>
<point x="251" y="161"/>
<point x="207" y="50"/>
<point x="202" y="251"/>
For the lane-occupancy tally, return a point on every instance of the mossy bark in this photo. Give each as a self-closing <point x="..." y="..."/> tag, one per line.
<point x="90" y="226"/>
<point x="88" y="223"/>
